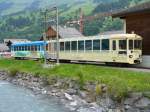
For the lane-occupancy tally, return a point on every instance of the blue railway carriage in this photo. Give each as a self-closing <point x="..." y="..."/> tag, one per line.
<point x="33" y="50"/>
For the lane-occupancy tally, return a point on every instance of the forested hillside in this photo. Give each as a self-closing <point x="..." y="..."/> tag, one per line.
<point x="23" y="19"/>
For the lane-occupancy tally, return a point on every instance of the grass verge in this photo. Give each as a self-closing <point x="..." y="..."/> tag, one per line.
<point x="117" y="79"/>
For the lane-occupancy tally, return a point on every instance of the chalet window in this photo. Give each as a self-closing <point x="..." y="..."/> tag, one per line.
<point x="67" y="46"/>
<point x="105" y="44"/>
<point x="62" y="47"/>
<point x="74" y="45"/>
<point x="88" y="44"/>
<point x="96" y="44"/>
<point x="122" y="44"/>
<point x="80" y="45"/>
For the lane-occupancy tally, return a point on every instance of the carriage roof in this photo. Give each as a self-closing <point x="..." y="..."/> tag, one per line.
<point x="29" y="43"/>
<point x="113" y="36"/>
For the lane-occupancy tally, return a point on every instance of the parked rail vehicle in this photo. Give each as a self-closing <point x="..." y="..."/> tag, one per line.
<point x="116" y="48"/>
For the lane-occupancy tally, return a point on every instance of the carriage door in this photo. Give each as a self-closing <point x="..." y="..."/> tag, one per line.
<point x="122" y="50"/>
<point x="114" y="51"/>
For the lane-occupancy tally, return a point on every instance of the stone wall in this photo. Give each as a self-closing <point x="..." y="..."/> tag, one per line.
<point x="79" y="100"/>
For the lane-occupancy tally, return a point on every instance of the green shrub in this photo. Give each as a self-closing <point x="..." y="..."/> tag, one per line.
<point x="13" y="72"/>
<point x="80" y="79"/>
<point x="117" y="89"/>
<point x="42" y="58"/>
<point x="52" y="79"/>
<point x="98" y="89"/>
<point x="37" y="74"/>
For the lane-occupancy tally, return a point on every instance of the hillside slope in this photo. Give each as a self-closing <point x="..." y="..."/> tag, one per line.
<point x="25" y="20"/>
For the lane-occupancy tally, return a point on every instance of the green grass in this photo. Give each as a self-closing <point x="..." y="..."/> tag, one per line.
<point x="134" y="81"/>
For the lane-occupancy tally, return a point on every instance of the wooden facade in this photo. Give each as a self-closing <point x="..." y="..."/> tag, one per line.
<point x="140" y="24"/>
<point x="137" y="20"/>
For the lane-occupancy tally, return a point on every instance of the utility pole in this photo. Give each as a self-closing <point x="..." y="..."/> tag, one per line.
<point x="57" y="36"/>
<point x="57" y="32"/>
<point x="44" y="37"/>
<point x="45" y="54"/>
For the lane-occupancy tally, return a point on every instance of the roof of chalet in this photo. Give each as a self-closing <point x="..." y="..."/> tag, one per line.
<point x="68" y="32"/>
<point x="3" y="47"/>
<point x="144" y="8"/>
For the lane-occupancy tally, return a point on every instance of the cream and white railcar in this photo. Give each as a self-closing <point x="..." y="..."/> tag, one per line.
<point x="118" y="48"/>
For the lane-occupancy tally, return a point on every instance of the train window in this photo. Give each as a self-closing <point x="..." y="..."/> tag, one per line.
<point x="19" y="48"/>
<point x="114" y="44"/>
<point x="12" y="48"/>
<point x="55" y="46"/>
<point x="67" y="46"/>
<point x="62" y="47"/>
<point x="16" y="48"/>
<point x="81" y="45"/>
<point x="38" y="48"/>
<point x="32" y="48"/>
<point x="29" y="48"/>
<point x="88" y="44"/>
<point x="22" y="48"/>
<point x="137" y="44"/>
<point x="96" y="44"/>
<point x="105" y="44"/>
<point x="131" y="44"/>
<point x="74" y="45"/>
<point x="122" y="44"/>
<point x="35" y="48"/>
<point x="25" y="48"/>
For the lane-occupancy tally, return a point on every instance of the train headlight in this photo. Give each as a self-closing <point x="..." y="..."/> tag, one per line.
<point x="130" y="56"/>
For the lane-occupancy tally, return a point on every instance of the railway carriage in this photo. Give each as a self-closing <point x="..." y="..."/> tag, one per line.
<point x="28" y="50"/>
<point x="118" y="48"/>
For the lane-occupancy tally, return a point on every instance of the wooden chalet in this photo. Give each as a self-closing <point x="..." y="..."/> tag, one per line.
<point x="64" y="32"/>
<point x="137" y="19"/>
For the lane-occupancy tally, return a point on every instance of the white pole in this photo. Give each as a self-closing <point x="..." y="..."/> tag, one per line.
<point x="44" y="37"/>
<point x="57" y="37"/>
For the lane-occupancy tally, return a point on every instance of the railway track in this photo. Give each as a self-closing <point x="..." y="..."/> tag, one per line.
<point x="131" y="68"/>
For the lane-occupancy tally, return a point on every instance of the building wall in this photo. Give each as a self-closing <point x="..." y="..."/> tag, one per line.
<point x="140" y="24"/>
<point x="51" y="34"/>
